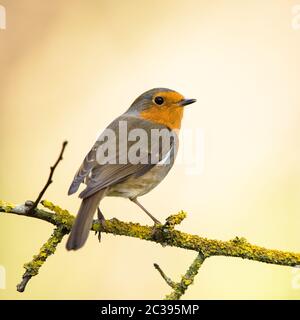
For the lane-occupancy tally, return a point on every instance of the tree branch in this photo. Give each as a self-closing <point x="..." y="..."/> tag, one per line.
<point x="238" y="247"/>
<point x="33" y="267"/>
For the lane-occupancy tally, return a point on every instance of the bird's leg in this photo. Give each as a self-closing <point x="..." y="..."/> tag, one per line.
<point x="101" y="220"/>
<point x="134" y="200"/>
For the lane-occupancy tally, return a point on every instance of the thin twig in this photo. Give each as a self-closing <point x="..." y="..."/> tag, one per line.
<point x="49" y="181"/>
<point x="25" y="279"/>
<point x="168" y="280"/>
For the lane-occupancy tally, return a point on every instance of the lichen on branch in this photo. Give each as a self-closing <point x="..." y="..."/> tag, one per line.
<point x="165" y="234"/>
<point x="32" y="268"/>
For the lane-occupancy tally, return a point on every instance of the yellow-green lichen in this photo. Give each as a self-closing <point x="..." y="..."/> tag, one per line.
<point x="187" y="279"/>
<point x="174" y="219"/>
<point x="239" y="240"/>
<point x="237" y="247"/>
<point x="6" y="206"/>
<point x="62" y="216"/>
<point x="32" y="267"/>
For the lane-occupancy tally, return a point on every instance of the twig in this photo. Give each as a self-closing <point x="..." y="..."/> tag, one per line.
<point x="22" y="285"/>
<point x="49" y="181"/>
<point x="168" y="280"/>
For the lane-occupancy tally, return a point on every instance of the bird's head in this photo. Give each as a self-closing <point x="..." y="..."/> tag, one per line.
<point x="162" y="106"/>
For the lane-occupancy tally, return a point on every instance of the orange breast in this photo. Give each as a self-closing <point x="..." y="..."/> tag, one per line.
<point x="169" y="116"/>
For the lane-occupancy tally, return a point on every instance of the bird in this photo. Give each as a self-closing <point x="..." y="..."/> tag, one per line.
<point x="108" y="171"/>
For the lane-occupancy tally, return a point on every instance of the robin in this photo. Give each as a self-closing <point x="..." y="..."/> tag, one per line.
<point x="111" y="172"/>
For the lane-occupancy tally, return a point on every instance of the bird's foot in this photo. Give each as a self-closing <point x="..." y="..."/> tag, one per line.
<point x="156" y="222"/>
<point x="158" y="233"/>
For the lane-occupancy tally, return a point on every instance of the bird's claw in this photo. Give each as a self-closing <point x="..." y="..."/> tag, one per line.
<point x="157" y="232"/>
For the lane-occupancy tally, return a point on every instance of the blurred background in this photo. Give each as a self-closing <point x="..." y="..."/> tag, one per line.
<point x="69" y="68"/>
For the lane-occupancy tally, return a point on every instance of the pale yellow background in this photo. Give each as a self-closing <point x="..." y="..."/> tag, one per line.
<point x="69" y="67"/>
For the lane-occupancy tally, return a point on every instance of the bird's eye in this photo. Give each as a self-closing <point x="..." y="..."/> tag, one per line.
<point x="159" y="100"/>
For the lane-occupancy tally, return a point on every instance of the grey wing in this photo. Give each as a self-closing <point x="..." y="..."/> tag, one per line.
<point x="87" y="165"/>
<point x="90" y="161"/>
<point x="105" y="175"/>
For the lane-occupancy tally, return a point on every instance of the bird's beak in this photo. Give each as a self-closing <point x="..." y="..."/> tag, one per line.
<point x="185" y="102"/>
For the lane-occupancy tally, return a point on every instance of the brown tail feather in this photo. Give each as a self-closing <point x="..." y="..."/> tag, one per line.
<point x="83" y="221"/>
